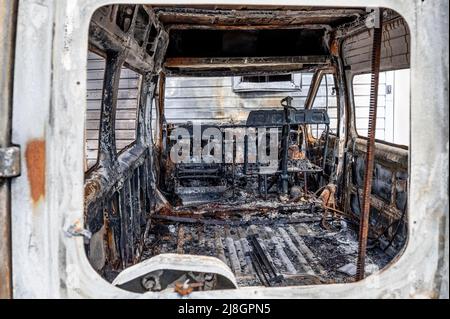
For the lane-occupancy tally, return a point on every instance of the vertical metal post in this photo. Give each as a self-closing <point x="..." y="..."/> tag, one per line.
<point x="245" y="154"/>
<point x="8" y="17"/>
<point x="305" y="177"/>
<point x="325" y="152"/>
<point x="161" y="96"/>
<point x="285" y="144"/>
<point x="107" y="139"/>
<point x="143" y="110"/>
<point x="160" y="118"/>
<point x="368" y="173"/>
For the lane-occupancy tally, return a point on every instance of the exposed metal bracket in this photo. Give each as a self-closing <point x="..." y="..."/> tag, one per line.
<point x="9" y="162"/>
<point x="372" y="19"/>
<point x="75" y="230"/>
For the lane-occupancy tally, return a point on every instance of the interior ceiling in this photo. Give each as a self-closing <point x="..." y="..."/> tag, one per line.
<point x="256" y="15"/>
<point x="197" y="32"/>
<point x="229" y="40"/>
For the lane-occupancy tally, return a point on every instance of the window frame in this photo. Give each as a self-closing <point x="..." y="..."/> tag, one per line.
<point x="353" y="130"/>
<point x="312" y="94"/>
<point x="331" y="130"/>
<point x="276" y="86"/>
<point x="136" y="119"/>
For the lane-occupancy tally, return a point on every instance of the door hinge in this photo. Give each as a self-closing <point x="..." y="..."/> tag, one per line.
<point x="9" y="162"/>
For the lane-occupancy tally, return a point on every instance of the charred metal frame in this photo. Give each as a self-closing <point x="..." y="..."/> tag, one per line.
<point x="241" y="65"/>
<point x="393" y="160"/>
<point x="119" y="188"/>
<point x="391" y="226"/>
<point x="291" y="117"/>
<point x="340" y="98"/>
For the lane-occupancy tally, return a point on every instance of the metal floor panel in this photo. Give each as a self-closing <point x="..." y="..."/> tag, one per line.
<point x="303" y="253"/>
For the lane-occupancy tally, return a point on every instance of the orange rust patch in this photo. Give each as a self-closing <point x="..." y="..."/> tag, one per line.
<point x="91" y="188"/>
<point x="35" y="158"/>
<point x="334" y="48"/>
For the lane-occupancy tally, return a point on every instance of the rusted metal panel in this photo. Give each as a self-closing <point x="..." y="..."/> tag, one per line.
<point x="30" y="128"/>
<point x="9" y="156"/>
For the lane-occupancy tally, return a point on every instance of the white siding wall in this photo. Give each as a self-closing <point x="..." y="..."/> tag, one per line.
<point x="320" y="101"/>
<point x="126" y="107"/>
<point x="361" y="92"/>
<point x="393" y="106"/>
<point x="212" y="99"/>
<point x="401" y="105"/>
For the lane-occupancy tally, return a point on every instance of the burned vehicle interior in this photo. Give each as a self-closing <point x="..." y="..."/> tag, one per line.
<point x="224" y="148"/>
